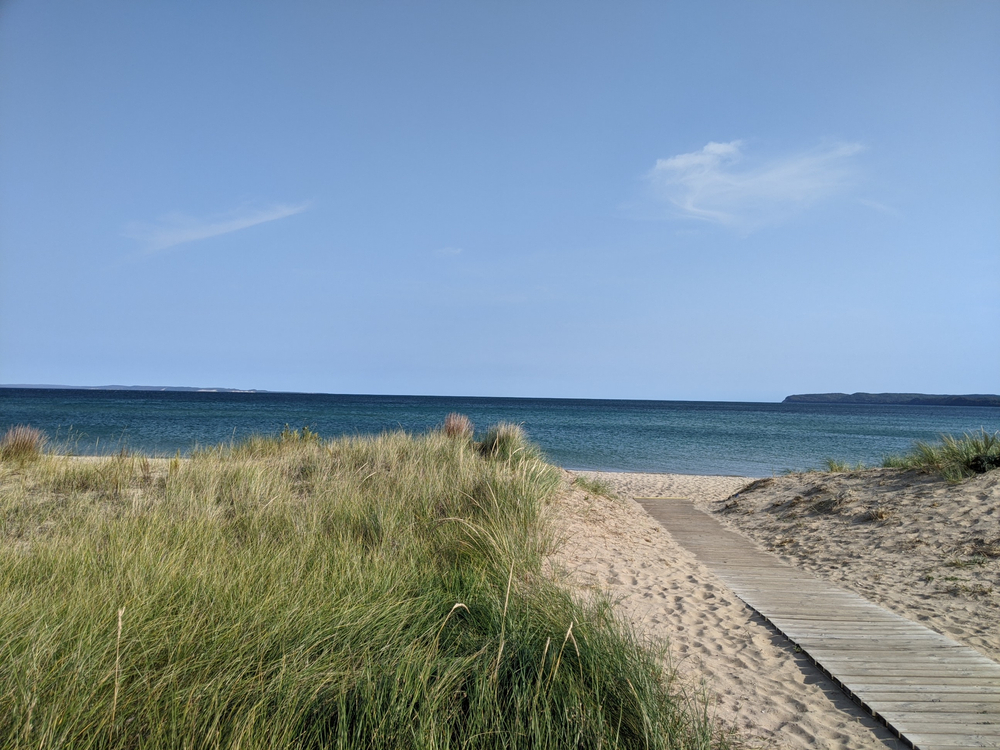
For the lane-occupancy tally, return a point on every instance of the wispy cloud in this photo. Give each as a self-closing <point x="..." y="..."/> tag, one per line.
<point x="177" y="229"/>
<point x="719" y="184"/>
<point x="881" y="207"/>
<point x="448" y="251"/>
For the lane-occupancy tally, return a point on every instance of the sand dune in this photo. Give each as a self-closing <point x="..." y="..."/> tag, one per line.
<point x="907" y="540"/>
<point x="719" y="647"/>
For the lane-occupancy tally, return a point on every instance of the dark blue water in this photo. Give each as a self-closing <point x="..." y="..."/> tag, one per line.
<point x="750" y="439"/>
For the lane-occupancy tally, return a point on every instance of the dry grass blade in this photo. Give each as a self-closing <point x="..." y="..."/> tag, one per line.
<point x="458" y="426"/>
<point x="503" y="618"/>
<point x="22" y="443"/>
<point x="118" y="662"/>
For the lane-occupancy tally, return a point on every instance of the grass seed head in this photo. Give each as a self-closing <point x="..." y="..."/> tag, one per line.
<point x="458" y="426"/>
<point x="22" y="443"/>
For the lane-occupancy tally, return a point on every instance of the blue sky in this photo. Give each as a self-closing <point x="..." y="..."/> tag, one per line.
<point x="712" y="200"/>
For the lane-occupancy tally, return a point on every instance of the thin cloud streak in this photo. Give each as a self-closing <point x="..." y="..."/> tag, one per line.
<point x="713" y="185"/>
<point x="177" y="229"/>
<point x="881" y="207"/>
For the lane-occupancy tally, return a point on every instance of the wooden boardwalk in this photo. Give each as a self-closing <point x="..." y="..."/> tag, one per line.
<point x="931" y="691"/>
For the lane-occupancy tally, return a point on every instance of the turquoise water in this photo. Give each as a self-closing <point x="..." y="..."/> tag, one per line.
<point x="749" y="439"/>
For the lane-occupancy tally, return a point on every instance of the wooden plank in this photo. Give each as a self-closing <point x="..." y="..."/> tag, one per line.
<point x="816" y="609"/>
<point x="944" y="685"/>
<point x="889" y="627"/>
<point x="897" y="663"/>
<point x="870" y="640"/>
<point x="931" y="725"/>
<point x="955" y="691"/>
<point x="855" y="616"/>
<point x="845" y="649"/>
<point x="932" y="706"/>
<point x="900" y="695"/>
<point x="864" y="625"/>
<point x="865" y="632"/>
<point x="936" y="693"/>
<point x="899" y="659"/>
<point x="874" y="641"/>
<point x="845" y="672"/>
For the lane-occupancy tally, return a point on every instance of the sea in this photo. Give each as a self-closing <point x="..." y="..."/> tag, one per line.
<point x="686" y="437"/>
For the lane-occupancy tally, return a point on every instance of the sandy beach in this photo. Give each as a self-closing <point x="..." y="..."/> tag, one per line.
<point x="910" y="542"/>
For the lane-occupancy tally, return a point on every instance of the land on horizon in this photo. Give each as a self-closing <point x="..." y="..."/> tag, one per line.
<point x="905" y="399"/>
<point x="181" y="388"/>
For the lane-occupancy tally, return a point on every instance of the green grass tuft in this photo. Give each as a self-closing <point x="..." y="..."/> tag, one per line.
<point x="505" y="441"/>
<point x="382" y="592"/>
<point x="953" y="458"/>
<point x="305" y="435"/>
<point x="596" y="486"/>
<point x="834" y="465"/>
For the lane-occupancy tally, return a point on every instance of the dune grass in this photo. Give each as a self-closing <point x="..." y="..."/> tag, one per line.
<point x="458" y="426"/>
<point x="291" y="592"/>
<point x="953" y="458"/>
<point x="505" y="441"/>
<point x="22" y="443"/>
<point x="596" y="486"/>
<point x="833" y="465"/>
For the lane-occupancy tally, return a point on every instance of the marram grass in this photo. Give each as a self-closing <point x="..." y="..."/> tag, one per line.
<point x="21" y="443"/>
<point x="288" y="592"/>
<point x="953" y="458"/>
<point x="596" y="486"/>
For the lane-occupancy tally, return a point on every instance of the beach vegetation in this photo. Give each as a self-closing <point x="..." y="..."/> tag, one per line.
<point x="953" y="458"/>
<point x="974" y="590"/>
<point x="756" y="484"/>
<point x="876" y="514"/>
<point x="458" y="426"/>
<point x="293" y="592"/>
<point x="506" y="441"/>
<point x="596" y="486"/>
<point x="833" y="465"/>
<point x="305" y="435"/>
<point x="831" y="504"/>
<point x="22" y="443"/>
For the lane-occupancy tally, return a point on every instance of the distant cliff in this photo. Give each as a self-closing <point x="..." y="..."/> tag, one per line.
<point x="914" y="399"/>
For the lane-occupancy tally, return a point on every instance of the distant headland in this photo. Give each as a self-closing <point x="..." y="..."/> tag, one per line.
<point x="909" y="399"/>
<point x="184" y="389"/>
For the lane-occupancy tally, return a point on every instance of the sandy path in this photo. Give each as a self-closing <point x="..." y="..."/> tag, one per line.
<point x="774" y="697"/>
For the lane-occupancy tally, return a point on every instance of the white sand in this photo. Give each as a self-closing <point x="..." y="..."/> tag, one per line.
<point x="755" y="682"/>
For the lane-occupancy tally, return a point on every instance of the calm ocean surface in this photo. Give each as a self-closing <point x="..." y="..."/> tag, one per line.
<point x="750" y="439"/>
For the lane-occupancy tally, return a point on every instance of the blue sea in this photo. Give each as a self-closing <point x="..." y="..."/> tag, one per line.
<point x="745" y="439"/>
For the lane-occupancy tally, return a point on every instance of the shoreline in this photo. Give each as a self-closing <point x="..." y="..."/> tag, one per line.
<point x="618" y="472"/>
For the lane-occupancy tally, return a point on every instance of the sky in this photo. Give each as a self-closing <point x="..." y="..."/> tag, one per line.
<point x="693" y="201"/>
